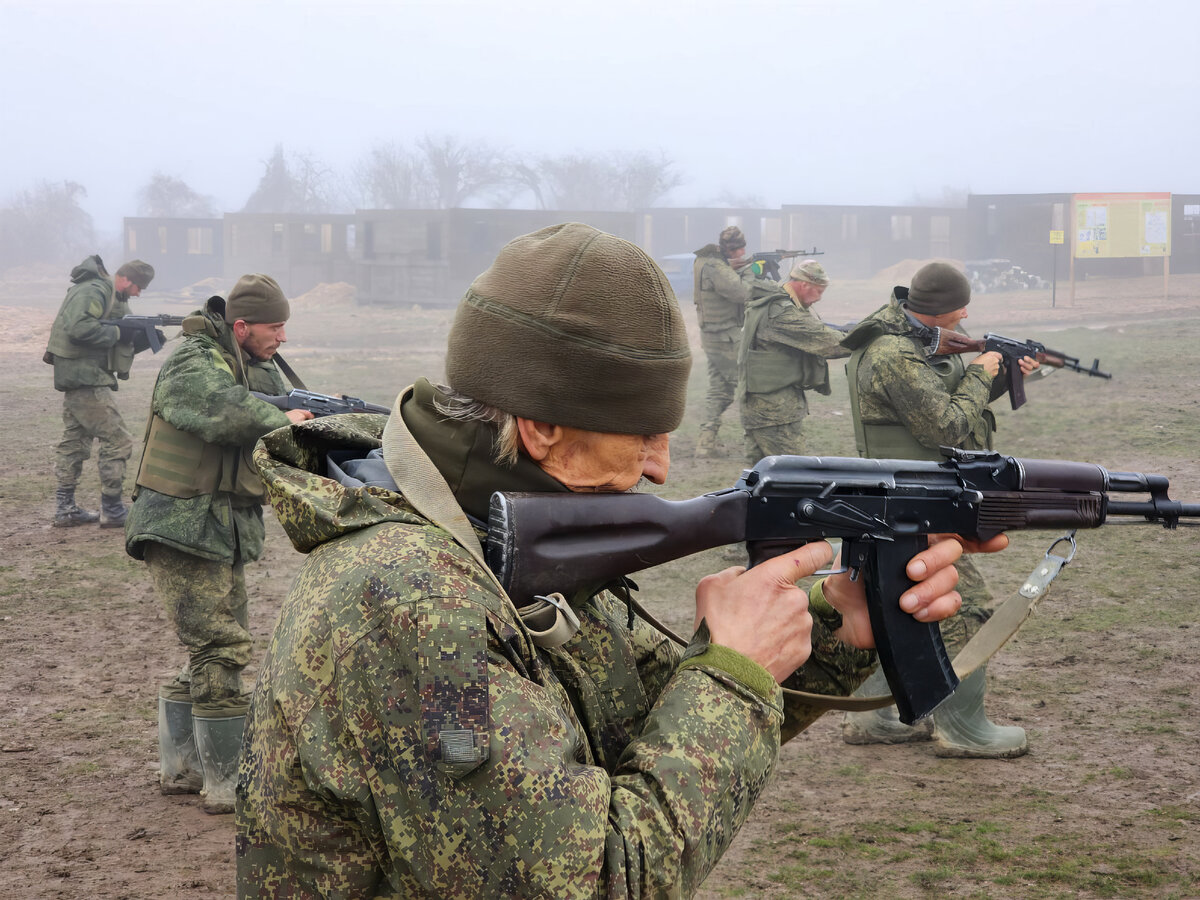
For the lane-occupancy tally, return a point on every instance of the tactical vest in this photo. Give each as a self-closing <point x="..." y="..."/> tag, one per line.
<point x="180" y="464"/>
<point x="713" y="313"/>
<point x="777" y="366"/>
<point x="882" y="440"/>
<point x="117" y="359"/>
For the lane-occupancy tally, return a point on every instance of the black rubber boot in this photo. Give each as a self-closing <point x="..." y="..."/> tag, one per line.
<point x="113" y="512"/>
<point x="67" y="514"/>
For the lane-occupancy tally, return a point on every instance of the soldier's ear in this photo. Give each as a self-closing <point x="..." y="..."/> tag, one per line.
<point x="538" y="437"/>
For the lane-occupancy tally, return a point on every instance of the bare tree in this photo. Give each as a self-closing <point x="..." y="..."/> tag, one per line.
<point x="456" y="171"/>
<point x="171" y="197"/>
<point x="734" y="200"/>
<point x="299" y="184"/>
<point x="949" y="197"/>
<point x="46" y="224"/>
<point x="614" y="181"/>
<point x="391" y="176"/>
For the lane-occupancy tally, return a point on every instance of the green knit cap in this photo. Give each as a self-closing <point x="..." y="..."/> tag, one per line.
<point x="140" y="273"/>
<point x="257" y="299"/>
<point x="938" y="288"/>
<point x="576" y="327"/>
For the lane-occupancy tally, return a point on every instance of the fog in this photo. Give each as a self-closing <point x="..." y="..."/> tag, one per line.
<point x="828" y="101"/>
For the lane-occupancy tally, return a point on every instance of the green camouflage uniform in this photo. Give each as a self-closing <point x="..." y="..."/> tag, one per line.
<point x="720" y="294"/>
<point x="408" y="739"/>
<point x="196" y="547"/>
<point x="915" y="404"/>
<point x="783" y="353"/>
<point x="88" y="359"/>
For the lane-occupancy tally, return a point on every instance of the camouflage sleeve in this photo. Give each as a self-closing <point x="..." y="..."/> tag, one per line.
<point x="727" y="283"/>
<point x="82" y="318"/>
<point x="801" y="329"/>
<point x="196" y="392"/>
<point x="917" y="397"/>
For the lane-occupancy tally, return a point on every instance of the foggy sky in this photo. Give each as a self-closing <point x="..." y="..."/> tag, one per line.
<point x="826" y="101"/>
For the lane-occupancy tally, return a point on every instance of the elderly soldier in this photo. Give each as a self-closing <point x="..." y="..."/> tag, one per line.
<point x="413" y="733"/>
<point x="197" y="518"/>
<point x="88" y="358"/>
<point x="720" y="294"/>
<point x="907" y="403"/>
<point x="784" y="348"/>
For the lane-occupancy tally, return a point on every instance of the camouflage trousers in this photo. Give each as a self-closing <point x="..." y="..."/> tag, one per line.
<point x="91" y="414"/>
<point x="722" y="380"/>
<point x="774" y="440"/>
<point x="206" y="600"/>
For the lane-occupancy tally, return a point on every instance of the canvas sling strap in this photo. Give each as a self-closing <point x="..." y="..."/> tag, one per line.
<point x="550" y="620"/>
<point x="995" y="633"/>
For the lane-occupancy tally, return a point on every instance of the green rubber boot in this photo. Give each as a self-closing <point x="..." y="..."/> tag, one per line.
<point x="178" y="763"/>
<point x="218" y="741"/>
<point x="881" y="726"/>
<point x="962" y="729"/>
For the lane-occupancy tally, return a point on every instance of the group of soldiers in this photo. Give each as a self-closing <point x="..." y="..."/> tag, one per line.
<point x="414" y="731"/>
<point x="766" y="346"/>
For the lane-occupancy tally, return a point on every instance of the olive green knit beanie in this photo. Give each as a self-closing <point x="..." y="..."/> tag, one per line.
<point x="575" y="327"/>
<point x="938" y="288"/>
<point x="257" y="299"/>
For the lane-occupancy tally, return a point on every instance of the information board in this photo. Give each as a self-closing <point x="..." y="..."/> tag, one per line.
<point x="1122" y="225"/>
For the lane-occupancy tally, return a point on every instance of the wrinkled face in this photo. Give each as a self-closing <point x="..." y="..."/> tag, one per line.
<point x="808" y="292"/>
<point x="260" y="340"/>
<point x="588" y="461"/>
<point x="125" y="287"/>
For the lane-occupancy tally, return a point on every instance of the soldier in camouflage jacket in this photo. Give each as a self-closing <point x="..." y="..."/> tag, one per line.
<point x="412" y="734"/>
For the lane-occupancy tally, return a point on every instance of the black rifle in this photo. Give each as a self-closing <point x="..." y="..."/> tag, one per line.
<point x="143" y="331"/>
<point x="946" y="341"/>
<point x="882" y="509"/>
<point x="768" y="260"/>
<point x="321" y="404"/>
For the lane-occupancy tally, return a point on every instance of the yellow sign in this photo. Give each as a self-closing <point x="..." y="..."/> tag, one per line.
<point x="1122" y="225"/>
<point x="1056" y="237"/>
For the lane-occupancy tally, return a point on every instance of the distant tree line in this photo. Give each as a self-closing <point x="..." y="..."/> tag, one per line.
<point x="47" y="222"/>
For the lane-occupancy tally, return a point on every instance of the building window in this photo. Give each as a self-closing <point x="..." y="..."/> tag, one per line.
<point x="200" y="241"/>
<point x="939" y="228"/>
<point x="351" y="237"/>
<point x="849" y="226"/>
<point x="433" y="241"/>
<point x="993" y="220"/>
<point x="277" y="238"/>
<point x="326" y="238"/>
<point x="901" y="228"/>
<point x="131" y="240"/>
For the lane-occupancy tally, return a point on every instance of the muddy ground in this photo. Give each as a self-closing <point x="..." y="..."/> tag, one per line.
<point x="1106" y="804"/>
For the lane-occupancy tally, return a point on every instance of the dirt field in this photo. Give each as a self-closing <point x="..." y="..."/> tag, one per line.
<point x="1106" y="804"/>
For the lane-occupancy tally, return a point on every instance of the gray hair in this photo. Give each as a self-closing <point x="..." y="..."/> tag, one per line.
<point x="507" y="445"/>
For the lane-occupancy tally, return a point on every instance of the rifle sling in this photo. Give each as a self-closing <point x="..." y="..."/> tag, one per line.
<point x="995" y="633"/>
<point x="289" y="372"/>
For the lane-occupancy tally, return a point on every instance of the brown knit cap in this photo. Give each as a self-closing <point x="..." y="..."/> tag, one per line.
<point x="938" y="288"/>
<point x="731" y="239"/>
<point x="140" y="273"/>
<point x="576" y="327"/>
<point x="257" y="300"/>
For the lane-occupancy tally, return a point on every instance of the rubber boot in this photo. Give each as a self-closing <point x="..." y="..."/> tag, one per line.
<point x="881" y="726"/>
<point x="218" y="741"/>
<point x="67" y="514"/>
<point x="113" y="512"/>
<point x="706" y="443"/>
<point x="962" y="729"/>
<point x="179" y="769"/>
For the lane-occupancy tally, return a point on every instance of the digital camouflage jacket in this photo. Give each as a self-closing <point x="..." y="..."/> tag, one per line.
<point x="197" y="392"/>
<point x="408" y="739"/>
<point x="80" y="347"/>
<point x="720" y="294"/>
<point x="894" y="382"/>
<point x="784" y="348"/>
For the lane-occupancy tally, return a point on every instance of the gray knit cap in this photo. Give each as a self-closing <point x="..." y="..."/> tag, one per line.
<point x="938" y="288"/>
<point x="731" y="238"/>
<point x="257" y="299"/>
<point x="575" y="327"/>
